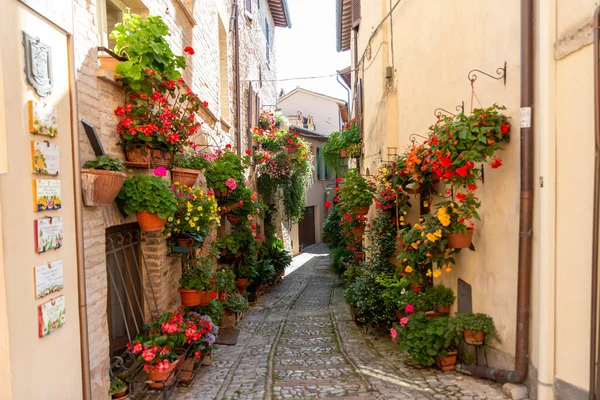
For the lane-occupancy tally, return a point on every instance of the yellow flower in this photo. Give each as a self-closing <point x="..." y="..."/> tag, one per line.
<point x="423" y="234"/>
<point x="419" y="227"/>
<point x="170" y="219"/>
<point x="178" y="221"/>
<point x="437" y="273"/>
<point x="428" y="272"/>
<point x="438" y="233"/>
<point x="415" y="245"/>
<point x="199" y="208"/>
<point x="192" y="224"/>
<point x="408" y="269"/>
<point x="169" y="234"/>
<point x="431" y="237"/>
<point x="443" y="216"/>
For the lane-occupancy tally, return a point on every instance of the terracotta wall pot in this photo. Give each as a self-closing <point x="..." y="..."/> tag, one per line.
<point x="241" y="283"/>
<point x="460" y="240"/>
<point x="362" y="210"/>
<point x="100" y="188"/>
<point x="107" y="62"/>
<point x="343" y="153"/>
<point x="124" y="395"/>
<point x="184" y="176"/>
<point x="254" y="143"/>
<point x="205" y="298"/>
<point x="233" y="220"/>
<point x="155" y="375"/>
<point x="138" y="154"/>
<point x="190" y="297"/>
<point x="162" y="158"/>
<point x="447" y="363"/>
<point x="185" y="242"/>
<point x="442" y="309"/>
<point x="358" y="230"/>
<point x="150" y="222"/>
<point x="198" y="357"/>
<point x="474" y="337"/>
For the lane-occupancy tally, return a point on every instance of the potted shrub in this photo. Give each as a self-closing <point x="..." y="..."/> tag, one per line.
<point x="455" y="217"/>
<point x="228" y="248"/>
<point x="160" y="365"/>
<point x="196" y="216"/>
<point x="235" y="304"/>
<point x="394" y="290"/>
<point x="242" y="205"/>
<point x="441" y="297"/>
<point x="101" y="180"/>
<point x="429" y="341"/>
<point x="224" y="171"/>
<point x="150" y="198"/>
<point x="187" y="165"/>
<point x="224" y="282"/>
<point x="263" y="271"/>
<point x="118" y="389"/>
<point x="475" y="328"/>
<point x="194" y="287"/>
<point x="278" y="257"/>
<point x="356" y="194"/>
<point x="245" y="272"/>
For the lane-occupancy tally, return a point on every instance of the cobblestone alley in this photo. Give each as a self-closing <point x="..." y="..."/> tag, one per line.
<point x="299" y="341"/>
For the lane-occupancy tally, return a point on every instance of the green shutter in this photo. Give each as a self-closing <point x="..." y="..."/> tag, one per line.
<point x="319" y="164"/>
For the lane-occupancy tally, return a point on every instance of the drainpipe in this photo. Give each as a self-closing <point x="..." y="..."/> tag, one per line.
<point x="81" y="283"/>
<point x="238" y="97"/>
<point x="525" y="215"/>
<point x="595" y="228"/>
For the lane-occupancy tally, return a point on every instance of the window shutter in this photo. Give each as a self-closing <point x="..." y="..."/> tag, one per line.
<point x="249" y="6"/>
<point x="359" y="107"/>
<point x="251" y="122"/>
<point x="319" y="164"/>
<point x="268" y="39"/>
<point x="355" y="14"/>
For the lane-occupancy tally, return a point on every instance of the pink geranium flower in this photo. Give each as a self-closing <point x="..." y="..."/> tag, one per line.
<point x="409" y="308"/>
<point x="403" y="321"/>
<point x="393" y="333"/>
<point x="160" y="171"/>
<point x="231" y="183"/>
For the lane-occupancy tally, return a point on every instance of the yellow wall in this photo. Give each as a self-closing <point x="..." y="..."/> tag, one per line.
<point x="49" y="367"/>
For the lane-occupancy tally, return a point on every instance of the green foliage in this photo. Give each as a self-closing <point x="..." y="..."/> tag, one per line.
<point x="394" y="292"/>
<point x="105" y="163"/>
<point x="366" y="294"/>
<point x="264" y="271"/>
<point x="116" y="385"/>
<point x="196" y="214"/>
<point x="475" y="322"/>
<point x="224" y="281"/>
<point x="425" y="339"/>
<point x="143" y="42"/>
<point x="236" y="303"/>
<point x="332" y="229"/>
<point x="226" y="165"/>
<point x="196" y="278"/>
<point x="247" y="268"/>
<point x="190" y="159"/>
<point x="356" y="192"/>
<point x="382" y="243"/>
<point x="440" y="295"/>
<point x="346" y="139"/>
<point x="214" y="310"/>
<point x="294" y="197"/>
<point x="339" y="256"/>
<point x="277" y="255"/>
<point x="148" y="193"/>
<point x="241" y="204"/>
<point x="419" y="300"/>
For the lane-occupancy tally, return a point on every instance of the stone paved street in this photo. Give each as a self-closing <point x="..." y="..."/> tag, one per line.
<point x="299" y="341"/>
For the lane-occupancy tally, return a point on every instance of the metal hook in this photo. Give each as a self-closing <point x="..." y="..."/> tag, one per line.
<point x="501" y="72"/>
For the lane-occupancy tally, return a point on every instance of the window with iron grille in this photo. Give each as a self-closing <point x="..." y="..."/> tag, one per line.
<point x="249" y="6"/>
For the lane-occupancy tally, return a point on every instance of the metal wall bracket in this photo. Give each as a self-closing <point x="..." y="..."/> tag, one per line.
<point x="440" y="111"/>
<point x="500" y="72"/>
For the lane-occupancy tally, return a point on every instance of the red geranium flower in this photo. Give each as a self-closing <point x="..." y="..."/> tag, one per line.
<point x="497" y="163"/>
<point x="228" y="146"/>
<point x="504" y="128"/>
<point x="189" y="50"/>
<point x="327" y="204"/>
<point x="472" y="186"/>
<point x="248" y="152"/>
<point x="338" y="180"/>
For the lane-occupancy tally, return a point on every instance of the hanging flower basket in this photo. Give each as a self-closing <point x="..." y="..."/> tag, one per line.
<point x="447" y="363"/>
<point x="474" y="337"/>
<point x="343" y="153"/>
<point x="358" y="230"/>
<point x="161" y="376"/>
<point x="190" y="297"/>
<point x="233" y="220"/>
<point x="150" y="222"/>
<point x="184" y="176"/>
<point x="100" y="187"/>
<point x="362" y="210"/>
<point x="185" y="242"/>
<point x="460" y="240"/>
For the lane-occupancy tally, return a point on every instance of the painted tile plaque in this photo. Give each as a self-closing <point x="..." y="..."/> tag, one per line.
<point x="45" y="158"/>
<point x="48" y="278"/>
<point x="51" y="316"/>
<point x="46" y="195"/>
<point x="42" y="119"/>
<point x="48" y="234"/>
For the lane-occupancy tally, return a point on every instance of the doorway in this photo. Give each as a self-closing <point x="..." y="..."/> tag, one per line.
<point x="306" y="228"/>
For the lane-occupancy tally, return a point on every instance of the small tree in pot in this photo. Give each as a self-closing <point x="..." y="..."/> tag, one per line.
<point x="101" y="180"/>
<point x="475" y="328"/>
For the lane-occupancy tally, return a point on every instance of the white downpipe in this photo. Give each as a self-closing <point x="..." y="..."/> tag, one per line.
<point x="546" y="143"/>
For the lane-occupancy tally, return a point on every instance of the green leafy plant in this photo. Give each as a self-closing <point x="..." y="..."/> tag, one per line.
<point x="224" y="280"/>
<point x="394" y="292"/>
<point x="105" y="163"/>
<point x="236" y="303"/>
<point x="277" y="255"/>
<point x="196" y="215"/>
<point x="439" y="295"/>
<point x="225" y="165"/>
<point x="148" y="193"/>
<point x="347" y="139"/>
<point x="116" y="386"/>
<point x="264" y="271"/>
<point x="425" y="339"/>
<point x="356" y="192"/>
<point x="191" y="159"/>
<point x="367" y="296"/>
<point x="243" y="203"/>
<point x="195" y="279"/>
<point x="214" y="310"/>
<point x="143" y="41"/>
<point x="475" y="322"/>
<point x="247" y="269"/>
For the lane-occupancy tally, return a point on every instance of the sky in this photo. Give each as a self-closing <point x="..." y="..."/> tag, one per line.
<point x="309" y="49"/>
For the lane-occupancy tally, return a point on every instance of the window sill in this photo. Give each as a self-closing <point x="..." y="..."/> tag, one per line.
<point x="225" y="125"/>
<point x="188" y="13"/>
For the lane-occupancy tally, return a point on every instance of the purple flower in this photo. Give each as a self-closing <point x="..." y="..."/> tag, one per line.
<point x="210" y="339"/>
<point x="409" y="308"/>
<point x="160" y="171"/>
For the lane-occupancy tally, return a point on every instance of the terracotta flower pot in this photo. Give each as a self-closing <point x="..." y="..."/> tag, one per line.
<point x="190" y="297"/>
<point x="241" y="283"/>
<point x="198" y="357"/>
<point x="138" y="154"/>
<point x="254" y="143"/>
<point x="233" y="220"/>
<point x="204" y="298"/>
<point x="460" y="240"/>
<point x="155" y="375"/>
<point x="99" y="187"/>
<point x="185" y="176"/>
<point x="222" y="194"/>
<point x="358" y="230"/>
<point x="343" y="153"/>
<point x="359" y="255"/>
<point x="325" y="239"/>
<point x="442" y="309"/>
<point x="185" y="242"/>
<point x="124" y="395"/>
<point x="474" y="337"/>
<point x="362" y="210"/>
<point x="186" y="371"/>
<point x="447" y="363"/>
<point x="162" y="158"/>
<point x="150" y="222"/>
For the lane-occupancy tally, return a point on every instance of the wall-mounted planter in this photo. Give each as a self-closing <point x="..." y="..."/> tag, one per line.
<point x="460" y="240"/>
<point x="150" y="222"/>
<point x="99" y="187"/>
<point x="184" y="176"/>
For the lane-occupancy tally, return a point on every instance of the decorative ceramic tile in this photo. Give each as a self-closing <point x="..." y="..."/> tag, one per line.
<point x="46" y="195"/>
<point x="48" y="278"/>
<point x="45" y="158"/>
<point x="42" y="119"/>
<point x="48" y="234"/>
<point x="51" y="316"/>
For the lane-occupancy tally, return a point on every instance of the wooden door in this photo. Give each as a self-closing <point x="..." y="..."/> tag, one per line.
<point x="306" y="227"/>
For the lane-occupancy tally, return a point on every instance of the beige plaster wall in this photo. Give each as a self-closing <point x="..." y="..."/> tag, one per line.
<point x="325" y="112"/>
<point x="49" y="367"/>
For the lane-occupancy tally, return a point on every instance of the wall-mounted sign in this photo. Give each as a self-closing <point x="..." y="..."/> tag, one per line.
<point x="48" y="234"/>
<point x="46" y="195"/>
<point x="51" y="316"/>
<point x="45" y="158"/>
<point x="48" y="278"/>
<point x="42" y="119"/>
<point x="38" y="65"/>
<point x="57" y="12"/>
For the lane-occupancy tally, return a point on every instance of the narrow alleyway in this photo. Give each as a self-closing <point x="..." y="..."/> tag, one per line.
<point x="299" y="341"/>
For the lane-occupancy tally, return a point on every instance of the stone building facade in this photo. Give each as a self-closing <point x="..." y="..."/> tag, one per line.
<point x="209" y="27"/>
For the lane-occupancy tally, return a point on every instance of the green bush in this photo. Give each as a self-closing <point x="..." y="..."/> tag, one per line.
<point x="195" y="278"/>
<point x="475" y="322"/>
<point x="105" y="163"/>
<point x="236" y="303"/>
<point x="224" y="280"/>
<point x="440" y="295"/>
<point x="148" y="193"/>
<point x="356" y="192"/>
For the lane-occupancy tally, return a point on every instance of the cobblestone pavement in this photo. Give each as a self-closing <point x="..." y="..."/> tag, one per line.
<point x="299" y="341"/>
